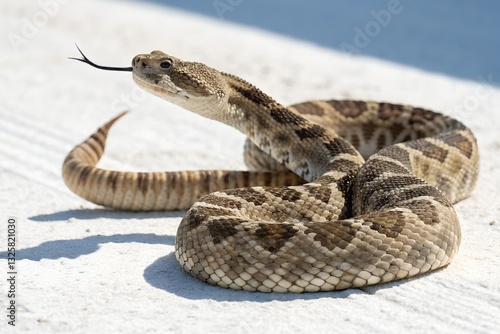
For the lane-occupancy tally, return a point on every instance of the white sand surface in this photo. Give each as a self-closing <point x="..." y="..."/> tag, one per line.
<point x="82" y="268"/>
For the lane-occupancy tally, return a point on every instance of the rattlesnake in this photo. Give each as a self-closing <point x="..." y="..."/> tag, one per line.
<point x="354" y="223"/>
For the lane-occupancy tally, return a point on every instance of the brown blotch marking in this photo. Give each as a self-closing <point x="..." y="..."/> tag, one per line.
<point x="425" y="210"/>
<point x="397" y="153"/>
<point x="100" y="138"/>
<point x="112" y="180"/>
<point x="201" y="179"/>
<point x="246" y="178"/>
<point x="454" y="124"/>
<point x="194" y="218"/>
<point x="84" y="175"/>
<point x="251" y="118"/>
<point x="428" y="149"/>
<point x="399" y="181"/>
<point x="143" y="182"/>
<point x="458" y="141"/>
<point x="396" y="129"/>
<point x="248" y="194"/>
<point x="285" y="116"/>
<point x="374" y="168"/>
<point x="340" y="145"/>
<point x="268" y="178"/>
<point x="350" y="109"/>
<point x="368" y="129"/>
<point x="389" y="223"/>
<point x="272" y="237"/>
<point x="355" y="141"/>
<point x="332" y="234"/>
<point x="286" y="194"/>
<point x="226" y="177"/>
<point x="314" y="131"/>
<point x="381" y="141"/>
<point x="213" y="212"/>
<point x="388" y="199"/>
<point x="220" y="201"/>
<point x="220" y="229"/>
<point x="320" y="193"/>
<point x="386" y="190"/>
<point x="421" y="116"/>
<point x="172" y="178"/>
<point x="387" y="110"/>
<point x="72" y="164"/>
<point x="309" y="108"/>
<point x="252" y="93"/>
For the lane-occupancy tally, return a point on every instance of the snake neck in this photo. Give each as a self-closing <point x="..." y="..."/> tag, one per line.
<point x="287" y="137"/>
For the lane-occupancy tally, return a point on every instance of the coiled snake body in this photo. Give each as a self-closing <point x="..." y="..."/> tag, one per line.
<point x="353" y="223"/>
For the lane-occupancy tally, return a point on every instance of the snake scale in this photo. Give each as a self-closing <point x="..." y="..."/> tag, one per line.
<point x="312" y="214"/>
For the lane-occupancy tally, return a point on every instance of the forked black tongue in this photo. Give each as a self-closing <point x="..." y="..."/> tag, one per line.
<point x="107" y="68"/>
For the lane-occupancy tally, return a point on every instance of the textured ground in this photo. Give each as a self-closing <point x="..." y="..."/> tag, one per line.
<point x="82" y="268"/>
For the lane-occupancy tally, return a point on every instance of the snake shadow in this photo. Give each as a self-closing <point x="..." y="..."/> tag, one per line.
<point x="95" y="213"/>
<point x="166" y="274"/>
<point x="74" y="248"/>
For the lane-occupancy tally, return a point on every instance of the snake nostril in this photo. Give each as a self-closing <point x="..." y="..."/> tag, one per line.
<point x="139" y="61"/>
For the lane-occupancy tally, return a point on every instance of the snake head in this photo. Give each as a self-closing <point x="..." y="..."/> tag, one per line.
<point x="193" y="86"/>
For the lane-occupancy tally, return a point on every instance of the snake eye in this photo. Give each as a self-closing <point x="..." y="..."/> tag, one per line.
<point x="166" y="64"/>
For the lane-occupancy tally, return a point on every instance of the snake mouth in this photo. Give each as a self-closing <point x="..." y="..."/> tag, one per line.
<point x="159" y="85"/>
